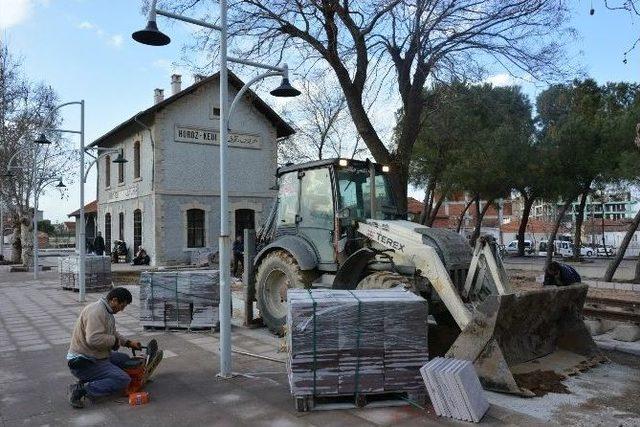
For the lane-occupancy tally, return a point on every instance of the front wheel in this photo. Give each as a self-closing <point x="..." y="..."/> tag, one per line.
<point x="277" y="273"/>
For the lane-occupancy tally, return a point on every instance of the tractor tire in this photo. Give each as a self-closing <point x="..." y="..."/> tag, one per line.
<point x="276" y="273"/>
<point x="384" y="280"/>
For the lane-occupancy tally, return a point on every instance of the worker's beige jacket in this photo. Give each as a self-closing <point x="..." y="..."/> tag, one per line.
<point x="94" y="334"/>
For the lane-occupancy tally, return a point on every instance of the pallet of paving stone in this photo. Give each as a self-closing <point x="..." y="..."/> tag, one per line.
<point x="98" y="276"/>
<point x="454" y="389"/>
<point x="358" y="342"/>
<point x="179" y="299"/>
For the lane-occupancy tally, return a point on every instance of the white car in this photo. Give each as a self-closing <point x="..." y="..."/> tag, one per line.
<point x="605" y="251"/>
<point x="512" y="247"/>
<point x="567" y="249"/>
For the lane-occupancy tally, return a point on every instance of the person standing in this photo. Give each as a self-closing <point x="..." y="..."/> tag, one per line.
<point x="98" y="244"/>
<point x="238" y="254"/>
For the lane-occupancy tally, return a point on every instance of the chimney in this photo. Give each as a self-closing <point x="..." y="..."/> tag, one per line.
<point x="176" y="83"/>
<point x="158" y="96"/>
<point x="198" y="78"/>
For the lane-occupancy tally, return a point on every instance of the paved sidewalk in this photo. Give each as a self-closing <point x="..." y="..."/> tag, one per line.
<point x="36" y="318"/>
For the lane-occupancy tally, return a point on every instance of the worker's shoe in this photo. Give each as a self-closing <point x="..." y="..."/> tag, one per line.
<point x="76" y="394"/>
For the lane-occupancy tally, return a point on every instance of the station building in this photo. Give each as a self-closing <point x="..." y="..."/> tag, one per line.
<point x="166" y="197"/>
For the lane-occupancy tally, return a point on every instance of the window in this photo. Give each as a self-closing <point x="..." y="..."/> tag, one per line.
<point x="136" y="159"/>
<point x="288" y="199"/>
<point x="107" y="232"/>
<point x="317" y="211"/>
<point x="121" y="226"/>
<point x="137" y="230"/>
<point x="120" y="173"/>
<point x="195" y="228"/>
<point x="107" y="171"/>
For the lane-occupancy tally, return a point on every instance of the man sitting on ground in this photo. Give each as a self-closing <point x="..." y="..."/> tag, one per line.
<point x="560" y="275"/>
<point x="141" y="257"/>
<point x="92" y="356"/>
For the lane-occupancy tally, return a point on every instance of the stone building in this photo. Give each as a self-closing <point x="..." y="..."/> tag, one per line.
<point x="166" y="197"/>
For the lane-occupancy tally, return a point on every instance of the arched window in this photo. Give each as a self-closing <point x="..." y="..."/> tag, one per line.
<point x="137" y="230"/>
<point x="107" y="171"/>
<point x="136" y="159"/>
<point x="121" y="171"/>
<point x="121" y="226"/>
<point x="195" y="228"/>
<point x="107" y="232"/>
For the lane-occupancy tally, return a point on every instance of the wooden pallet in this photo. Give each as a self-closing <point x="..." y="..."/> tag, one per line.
<point x="308" y="403"/>
<point x="104" y="289"/>
<point x="180" y="328"/>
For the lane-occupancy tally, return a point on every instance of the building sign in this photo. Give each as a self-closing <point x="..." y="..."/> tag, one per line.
<point x="212" y="136"/>
<point x="124" y="194"/>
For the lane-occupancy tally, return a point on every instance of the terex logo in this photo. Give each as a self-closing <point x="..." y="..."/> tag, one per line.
<point x="390" y="242"/>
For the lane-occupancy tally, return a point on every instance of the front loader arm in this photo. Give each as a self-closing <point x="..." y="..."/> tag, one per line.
<point x="401" y="238"/>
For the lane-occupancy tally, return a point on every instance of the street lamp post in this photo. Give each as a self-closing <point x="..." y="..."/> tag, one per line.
<point x="81" y="245"/>
<point x="150" y="35"/>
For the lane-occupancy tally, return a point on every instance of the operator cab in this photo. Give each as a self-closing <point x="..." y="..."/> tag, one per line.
<point x="322" y="201"/>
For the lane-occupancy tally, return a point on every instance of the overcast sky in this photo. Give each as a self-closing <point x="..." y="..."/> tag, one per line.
<point x="84" y="50"/>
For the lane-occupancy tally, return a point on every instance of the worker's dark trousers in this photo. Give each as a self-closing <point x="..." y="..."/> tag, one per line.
<point x="104" y="377"/>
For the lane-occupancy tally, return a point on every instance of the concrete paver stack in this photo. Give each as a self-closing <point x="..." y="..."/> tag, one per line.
<point x="97" y="273"/>
<point x="183" y="300"/>
<point x="355" y="342"/>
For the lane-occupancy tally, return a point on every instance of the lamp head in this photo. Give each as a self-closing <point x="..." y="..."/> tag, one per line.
<point x="285" y="90"/>
<point x="60" y="184"/>
<point x="120" y="159"/>
<point x="151" y="35"/>
<point x="42" y="139"/>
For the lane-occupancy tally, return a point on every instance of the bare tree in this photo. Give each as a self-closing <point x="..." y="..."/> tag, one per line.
<point x="397" y="45"/>
<point x="322" y="124"/>
<point x="25" y="108"/>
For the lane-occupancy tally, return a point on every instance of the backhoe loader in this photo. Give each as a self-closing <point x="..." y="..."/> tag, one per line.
<point x="336" y="224"/>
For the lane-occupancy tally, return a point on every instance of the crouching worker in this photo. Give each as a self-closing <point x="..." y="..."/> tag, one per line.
<point x="92" y="356"/>
<point x="558" y="274"/>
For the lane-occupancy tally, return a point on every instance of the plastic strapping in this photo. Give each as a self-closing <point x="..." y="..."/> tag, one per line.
<point x="314" y="340"/>
<point x="358" y="334"/>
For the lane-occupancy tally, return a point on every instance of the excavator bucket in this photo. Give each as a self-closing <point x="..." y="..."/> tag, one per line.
<point x="515" y="335"/>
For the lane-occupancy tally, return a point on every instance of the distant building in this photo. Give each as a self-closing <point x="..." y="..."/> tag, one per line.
<point x="617" y="205"/>
<point x="166" y="198"/>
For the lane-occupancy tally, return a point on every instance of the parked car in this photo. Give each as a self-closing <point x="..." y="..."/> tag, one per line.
<point x="512" y="247"/>
<point x="567" y="249"/>
<point x="605" y="251"/>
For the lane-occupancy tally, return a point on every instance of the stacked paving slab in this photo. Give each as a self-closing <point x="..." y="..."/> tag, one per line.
<point x="179" y="300"/>
<point x="97" y="273"/>
<point x="454" y="389"/>
<point x="355" y="342"/>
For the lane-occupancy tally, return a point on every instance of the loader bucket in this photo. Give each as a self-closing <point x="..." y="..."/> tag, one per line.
<point x="518" y="333"/>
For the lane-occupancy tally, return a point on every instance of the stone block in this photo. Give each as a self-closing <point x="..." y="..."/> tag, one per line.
<point x="608" y="325"/>
<point x="627" y="332"/>
<point x="636" y="287"/>
<point x="624" y="286"/>
<point x="594" y="326"/>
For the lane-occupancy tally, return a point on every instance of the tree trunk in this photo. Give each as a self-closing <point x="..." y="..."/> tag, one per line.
<point x="16" y="245"/>
<point x="528" y="203"/>
<point x="480" y="217"/>
<point x="554" y="232"/>
<point x="434" y="211"/>
<point x="26" y="237"/>
<point x="464" y="211"/>
<point x="615" y="262"/>
<point x="577" y="239"/>
<point x="428" y="202"/>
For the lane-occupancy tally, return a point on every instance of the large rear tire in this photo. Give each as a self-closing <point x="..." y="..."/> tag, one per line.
<point x="384" y="280"/>
<point x="277" y="272"/>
